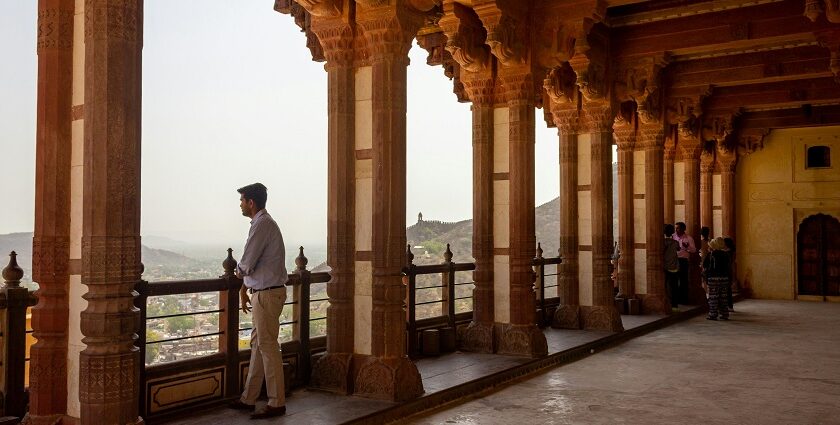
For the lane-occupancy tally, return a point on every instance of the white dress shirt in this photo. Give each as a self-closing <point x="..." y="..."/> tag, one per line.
<point x="263" y="262"/>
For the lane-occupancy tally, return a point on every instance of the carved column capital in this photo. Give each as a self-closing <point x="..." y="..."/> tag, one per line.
<point x="389" y="32"/>
<point x="481" y="89"/>
<point x="651" y="136"/>
<point x="567" y="120"/>
<point x="597" y="117"/>
<point x="336" y="40"/>
<point x="624" y="134"/>
<point x="518" y="86"/>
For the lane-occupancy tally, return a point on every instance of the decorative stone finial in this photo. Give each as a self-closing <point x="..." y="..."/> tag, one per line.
<point x="12" y="274"/>
<point x="408" y="255"/>
<point x="229" y="264"/>
<point x="301" y="261"/>
<point x="447" y="255"/>
<point x="539" y="250"/>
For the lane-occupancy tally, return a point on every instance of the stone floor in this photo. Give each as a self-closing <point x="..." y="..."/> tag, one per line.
<point x="774" y="362"/>
<point x="439" y="373"/>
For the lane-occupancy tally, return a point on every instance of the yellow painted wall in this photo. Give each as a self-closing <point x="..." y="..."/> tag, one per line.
<point x="775" y="193"/>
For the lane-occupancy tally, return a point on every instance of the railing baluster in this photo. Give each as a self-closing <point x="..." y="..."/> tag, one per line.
<point x="229" y="324"/>
<point x="14" y="332"/>
<point x="411" y="303"/>
<point x="450" y="287"/>
<point x="541" y="283"/>
<point x="303" y="295"/>
<point x="141" y="302"/>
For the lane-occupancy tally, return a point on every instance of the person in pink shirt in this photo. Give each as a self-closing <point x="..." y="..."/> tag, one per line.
<point x="687" y="248"/>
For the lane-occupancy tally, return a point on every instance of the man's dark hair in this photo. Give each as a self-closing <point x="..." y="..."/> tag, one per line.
<point x="256" y="192"/>
<point x="669" y="230"/>
<point x="705" y="232"/>
<point x="681" y="225"/>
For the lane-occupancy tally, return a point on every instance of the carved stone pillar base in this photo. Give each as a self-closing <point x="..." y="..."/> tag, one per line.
<point x="601" y="318"/>
<point x="655" y="304"/>
<point x="520" y="340"/>
<point x="394" y="379"/>
<point x="333" y="373"/>
<point x="566" y="317"/>
<point x="476" y="337"/>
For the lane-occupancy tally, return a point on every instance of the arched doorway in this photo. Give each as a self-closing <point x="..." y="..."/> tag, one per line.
<point x="819" y="256"/>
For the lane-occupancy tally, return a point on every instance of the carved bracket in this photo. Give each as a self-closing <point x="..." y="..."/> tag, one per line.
<point x="751" y="140"/>
<point x="507" y="29"/>
<point x="815" y="8"/>
<point x="465" y="37"/>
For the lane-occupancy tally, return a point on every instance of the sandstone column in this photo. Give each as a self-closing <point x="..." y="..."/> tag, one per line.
<point x="567" y="315"/>
<point x="109" y="365"/>
<point x="333" y="370"/>
<point x="690" y="145"/>
<point x="519" y="335"/>
<point x="651" y="139"/>
<point x="707" y="168"/>
<point x="727" y="159"/>
<point x="388" y="373"/>
<point x="465" y="41"/>
<point x="597" y="120"/>
<point x="624" y="133"/>
<point x="668" y="180"/>
<point x="479" y="334"/>
<point x="51" y="243"/>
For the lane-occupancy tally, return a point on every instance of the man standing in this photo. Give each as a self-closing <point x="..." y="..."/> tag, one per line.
<point x="687" y="248"/>
<point x="262" y="268"/>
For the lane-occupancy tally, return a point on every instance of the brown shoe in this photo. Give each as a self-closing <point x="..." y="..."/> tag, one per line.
<point x="269" y="412"/>
<point x="239" y="405"/>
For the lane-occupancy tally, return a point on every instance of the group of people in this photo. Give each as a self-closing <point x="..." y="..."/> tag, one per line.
<point x="716" y="259"/>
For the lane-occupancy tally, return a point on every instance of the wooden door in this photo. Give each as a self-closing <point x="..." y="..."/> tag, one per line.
<point x="819" y="256"/>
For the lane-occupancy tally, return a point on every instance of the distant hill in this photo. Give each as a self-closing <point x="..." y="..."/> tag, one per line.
<point x="159" y="264"/>
<point x="434" y="235"/>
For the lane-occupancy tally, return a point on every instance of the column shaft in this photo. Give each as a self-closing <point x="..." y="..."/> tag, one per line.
<point x="602" y="315"/>
<point x="568" y="312"/>
<point x="656" y="301"/>
<point x="332" y="372"/>
<point x="691" y="159"/>
<point x="109" y="365"/>
<point x="626" y="238"/>
<point x="388" y="373"/>
<point x="707" y="164"/>
<point x="668" y="184"/>
<point x="478" y="336"/>
<point x="51" y="243"/>
<point x="727" y="191"/>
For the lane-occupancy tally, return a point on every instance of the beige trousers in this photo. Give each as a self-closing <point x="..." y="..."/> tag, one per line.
<point x="266" y="358"/>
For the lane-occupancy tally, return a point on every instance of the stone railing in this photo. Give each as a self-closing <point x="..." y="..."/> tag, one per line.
<point x="215" y="369"/>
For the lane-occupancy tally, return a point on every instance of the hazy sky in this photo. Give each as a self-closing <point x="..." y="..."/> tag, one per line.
<point x="231" y="96"/>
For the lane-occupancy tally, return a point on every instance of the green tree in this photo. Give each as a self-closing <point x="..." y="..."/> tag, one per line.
<point x="178" y="324"/>
<point x="152" y="350"/>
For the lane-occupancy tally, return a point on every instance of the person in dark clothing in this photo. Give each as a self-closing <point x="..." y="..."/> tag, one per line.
<point x="672" y="265"/>
<point x="716" y="267"/>
<point x="730" y="247"/>
<point x="687" y="248"/>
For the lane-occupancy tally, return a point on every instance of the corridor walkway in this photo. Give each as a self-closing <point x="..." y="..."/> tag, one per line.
<point x="775" y="362"/>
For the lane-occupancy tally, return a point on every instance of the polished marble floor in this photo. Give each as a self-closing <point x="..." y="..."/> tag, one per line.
<point x="774" y="362"/>
<point x="439" y="373"/>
